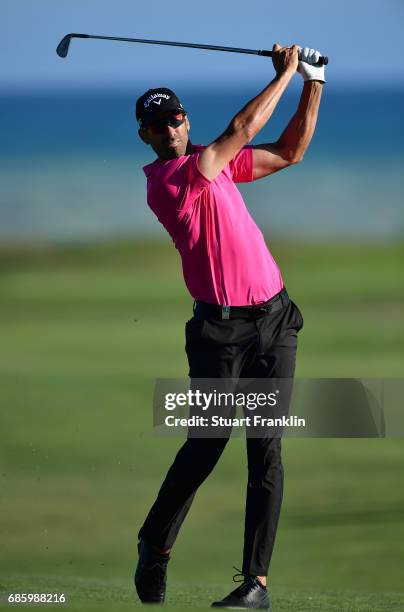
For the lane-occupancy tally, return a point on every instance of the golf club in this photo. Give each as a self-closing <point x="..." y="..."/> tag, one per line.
<point x="63" y="47"/>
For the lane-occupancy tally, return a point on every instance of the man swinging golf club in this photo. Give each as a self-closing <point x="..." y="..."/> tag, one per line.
<point x="244" y="324"/>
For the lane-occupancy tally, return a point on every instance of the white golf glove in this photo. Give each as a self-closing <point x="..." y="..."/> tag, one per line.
<point x="306" y="68"/>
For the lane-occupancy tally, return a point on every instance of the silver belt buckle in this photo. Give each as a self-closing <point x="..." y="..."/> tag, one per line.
<point x="225" y="312"/>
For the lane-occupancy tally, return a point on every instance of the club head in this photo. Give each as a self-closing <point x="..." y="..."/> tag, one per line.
<point x="63" y="47"/>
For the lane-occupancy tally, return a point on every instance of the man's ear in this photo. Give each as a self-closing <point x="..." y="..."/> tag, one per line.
<point x="143" y="135"/>
<point x="187" y="123"/>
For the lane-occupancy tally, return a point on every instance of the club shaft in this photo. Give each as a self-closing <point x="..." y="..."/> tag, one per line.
<point x="264" y="52"/>
<point x="176" y="44"/>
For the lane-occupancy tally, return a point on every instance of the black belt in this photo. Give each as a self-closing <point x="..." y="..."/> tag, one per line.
<point x="203" y="310"/>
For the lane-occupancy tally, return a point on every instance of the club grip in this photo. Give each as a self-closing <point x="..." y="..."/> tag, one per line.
<point x="322" y="60"/>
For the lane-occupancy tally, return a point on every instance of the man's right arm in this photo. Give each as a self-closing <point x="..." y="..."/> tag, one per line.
<point x="252" y="118"/>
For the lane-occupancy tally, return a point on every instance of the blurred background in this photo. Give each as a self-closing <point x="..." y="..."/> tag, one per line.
<point x="93" y="303"/>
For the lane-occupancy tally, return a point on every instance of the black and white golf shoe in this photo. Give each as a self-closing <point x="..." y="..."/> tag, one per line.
<point x="151" y="574"/>
<point x="250" y="594"/>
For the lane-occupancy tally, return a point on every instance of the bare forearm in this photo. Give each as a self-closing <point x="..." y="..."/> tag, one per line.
<point x="296" y="137"/>
<point x="252" y="118"/>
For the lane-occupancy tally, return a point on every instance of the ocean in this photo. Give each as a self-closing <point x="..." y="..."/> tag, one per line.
<point x="71" y="165"/>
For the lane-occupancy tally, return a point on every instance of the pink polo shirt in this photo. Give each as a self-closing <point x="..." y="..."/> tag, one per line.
<point x="224" y="256"/>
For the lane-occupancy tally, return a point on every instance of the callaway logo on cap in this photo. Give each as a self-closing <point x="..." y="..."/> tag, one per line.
<point x="155" y="102"/>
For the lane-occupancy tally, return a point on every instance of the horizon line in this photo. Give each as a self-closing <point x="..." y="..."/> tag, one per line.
<point x="123" y="86"/>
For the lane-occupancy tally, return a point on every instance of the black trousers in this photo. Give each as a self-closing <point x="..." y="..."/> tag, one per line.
<point x="263" y="347"/>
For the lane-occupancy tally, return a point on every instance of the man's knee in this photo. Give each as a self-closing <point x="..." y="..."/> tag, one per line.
<point x="204" y="453"/>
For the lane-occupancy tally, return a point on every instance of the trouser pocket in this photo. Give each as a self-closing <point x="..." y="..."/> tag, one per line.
<point x="298" y="316"/>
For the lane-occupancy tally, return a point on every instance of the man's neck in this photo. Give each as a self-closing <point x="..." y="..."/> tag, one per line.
<point x="190" y="148"/>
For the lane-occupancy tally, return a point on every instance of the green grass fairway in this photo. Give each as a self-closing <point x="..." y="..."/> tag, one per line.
<point x="96" y="596"/>
<point x="84" y="332"/>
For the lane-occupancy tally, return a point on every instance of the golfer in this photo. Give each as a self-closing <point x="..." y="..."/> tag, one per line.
<point x="244" y="324"/>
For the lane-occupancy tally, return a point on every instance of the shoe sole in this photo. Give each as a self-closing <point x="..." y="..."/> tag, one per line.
<point x="237" y="608"/>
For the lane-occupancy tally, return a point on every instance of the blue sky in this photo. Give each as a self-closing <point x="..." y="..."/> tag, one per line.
<point x="362" y="38"/>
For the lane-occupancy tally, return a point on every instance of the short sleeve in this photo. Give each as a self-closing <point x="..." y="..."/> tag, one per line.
<point x="188" y="180"/>
<point x="242" y="165"/>
<point x="174" y="187"/>
<point x="186" y="183"/>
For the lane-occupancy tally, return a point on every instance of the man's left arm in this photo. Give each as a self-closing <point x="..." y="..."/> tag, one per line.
<point x="290" y="147"/>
